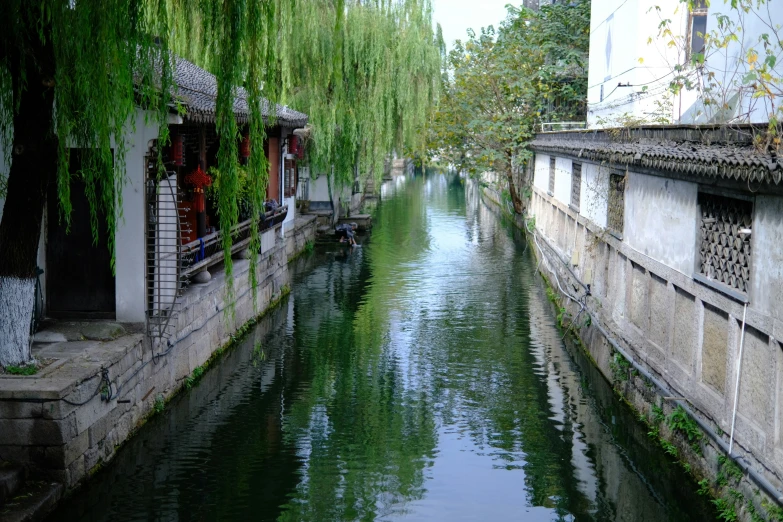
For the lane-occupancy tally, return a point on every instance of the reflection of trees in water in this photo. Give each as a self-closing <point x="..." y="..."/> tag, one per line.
<point x="584" y="452"/>
<point x="382" y="350"/>
<point x="366" y="438"/>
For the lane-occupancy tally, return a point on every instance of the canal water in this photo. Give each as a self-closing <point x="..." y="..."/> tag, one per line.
<point x="419" y="377"/>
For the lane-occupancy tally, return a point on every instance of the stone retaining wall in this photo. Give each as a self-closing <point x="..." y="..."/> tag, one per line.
<point x="685" y="334"/>
<point x="59" y="422"/>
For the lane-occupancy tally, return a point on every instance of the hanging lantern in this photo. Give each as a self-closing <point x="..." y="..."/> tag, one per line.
<point x="244" y="147"/>
<point x="199" y="179"/>
<point x="295" y="146"/>
<point x="177" y="150"/>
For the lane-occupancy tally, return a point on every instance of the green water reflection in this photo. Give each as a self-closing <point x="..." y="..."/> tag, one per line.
<point x="420" y="377"/>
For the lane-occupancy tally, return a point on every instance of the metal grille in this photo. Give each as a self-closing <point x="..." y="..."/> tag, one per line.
<point x="163" y="244"/>
<point x="576" y="185"/>
<point x="551" y="176"/>
<point x="616" y="211"/>
<point x="725" y="240"/>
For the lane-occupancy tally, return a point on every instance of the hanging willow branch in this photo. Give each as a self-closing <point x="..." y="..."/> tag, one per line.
<point x="373" y="95"/>
<point x="366" y="72"/>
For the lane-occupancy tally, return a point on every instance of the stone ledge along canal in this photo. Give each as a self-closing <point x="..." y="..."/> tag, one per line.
<point x="420" y="377"/>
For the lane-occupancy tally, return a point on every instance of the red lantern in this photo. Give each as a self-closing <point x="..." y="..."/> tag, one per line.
<point x="295" y="146"/>
<point x="177" y="149"/>
<point x="199" y="179"/>
<point x="244" y="147"/>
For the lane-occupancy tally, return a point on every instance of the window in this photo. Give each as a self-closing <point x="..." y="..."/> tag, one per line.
<point x="289" y="181"/>
<point x="615" y="215"/>
<point x="576" y="185"/>
<point x="551" y="190"/>
<point x="725" y="228"/>
<point x="697" y="27"/>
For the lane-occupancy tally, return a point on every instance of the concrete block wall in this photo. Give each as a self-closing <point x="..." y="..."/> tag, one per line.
<point x="686" y="333"/>
<point x="43" y="422"/>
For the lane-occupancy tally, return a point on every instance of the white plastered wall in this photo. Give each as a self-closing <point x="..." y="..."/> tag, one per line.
<point x="563" y="180"/>
<point x="288" y="223"/>
<point x="541" y="173"/>
<point x="130" y="264"/>
<point x="594" y="193"/>
<point x="621" y="53"/>
<point x="661" y="218"/>
<point x="129" y="238"/>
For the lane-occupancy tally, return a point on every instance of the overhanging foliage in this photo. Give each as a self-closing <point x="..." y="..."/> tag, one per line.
<point x="497" y="86"/>
<point x="364" y="71"/>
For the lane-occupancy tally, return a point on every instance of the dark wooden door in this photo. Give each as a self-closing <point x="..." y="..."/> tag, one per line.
<point x="79" y="279"/>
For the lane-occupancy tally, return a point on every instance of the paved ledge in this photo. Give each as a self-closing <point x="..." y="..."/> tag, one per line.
<point x="74" y="362"/>
<point x="72" y="416"/>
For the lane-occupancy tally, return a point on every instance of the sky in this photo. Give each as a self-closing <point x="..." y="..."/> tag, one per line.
<point x="456" y="16"/>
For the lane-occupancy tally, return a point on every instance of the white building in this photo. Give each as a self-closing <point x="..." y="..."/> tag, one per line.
<point x="670" y="236"/>
<point x="157" y="225"/>
<point x="638" y="47"/>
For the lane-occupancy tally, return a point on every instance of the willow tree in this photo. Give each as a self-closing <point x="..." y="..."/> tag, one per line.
<point x="366" y="81"/>
<point x="360" y="69"/>
<point x="97" y="62"/>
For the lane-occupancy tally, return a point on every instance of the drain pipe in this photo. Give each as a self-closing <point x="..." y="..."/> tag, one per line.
<point x="739" y="372"/>
<point x="757" y="477"/>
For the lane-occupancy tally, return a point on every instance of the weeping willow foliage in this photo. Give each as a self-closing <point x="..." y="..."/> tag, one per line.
<point x="104" y="61"/>
<point x="366" y="81"/>
<point x="366" y="74"/>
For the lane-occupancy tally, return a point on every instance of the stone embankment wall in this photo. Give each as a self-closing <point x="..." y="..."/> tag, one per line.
<point x="59" y="422"/>
<point x="684" y="335"/>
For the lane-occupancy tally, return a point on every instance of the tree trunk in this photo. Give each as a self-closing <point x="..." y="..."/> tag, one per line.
<point x="33" y="166"/>
<point x="331" y="197"/>
<point x="512" y="189"/>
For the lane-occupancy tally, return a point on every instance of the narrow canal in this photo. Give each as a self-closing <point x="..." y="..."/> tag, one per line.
<point x="420" y="377"/>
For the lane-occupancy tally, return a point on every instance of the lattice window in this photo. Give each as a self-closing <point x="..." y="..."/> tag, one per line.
<point x="725" y="230"/>
<point x="615" y="216"/>
<point x="576" y="185"/>
<point x="551" y="176"/>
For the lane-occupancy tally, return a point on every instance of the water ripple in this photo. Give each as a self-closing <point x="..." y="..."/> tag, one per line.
<point x="421" y="377"/>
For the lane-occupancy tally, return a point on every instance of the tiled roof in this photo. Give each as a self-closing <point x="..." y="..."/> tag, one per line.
<point x="687" y="150"/>
<point x="196" y="89"/>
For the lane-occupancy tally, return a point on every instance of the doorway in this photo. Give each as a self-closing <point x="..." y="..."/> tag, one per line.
<point x="79" y="280"/>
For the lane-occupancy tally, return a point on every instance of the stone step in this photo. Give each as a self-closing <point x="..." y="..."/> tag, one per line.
<point x="363" y="221"/>
<point x="32" y="503"/>
<point x="12" y="477"/>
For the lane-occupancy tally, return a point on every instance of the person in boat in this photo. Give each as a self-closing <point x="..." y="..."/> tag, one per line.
<point x="345" y="231"/>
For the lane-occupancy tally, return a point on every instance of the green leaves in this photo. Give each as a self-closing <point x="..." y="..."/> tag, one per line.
<point x="366" y="73"/>
<point x="377" y="96"/>
<point x="498" y="86"/>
